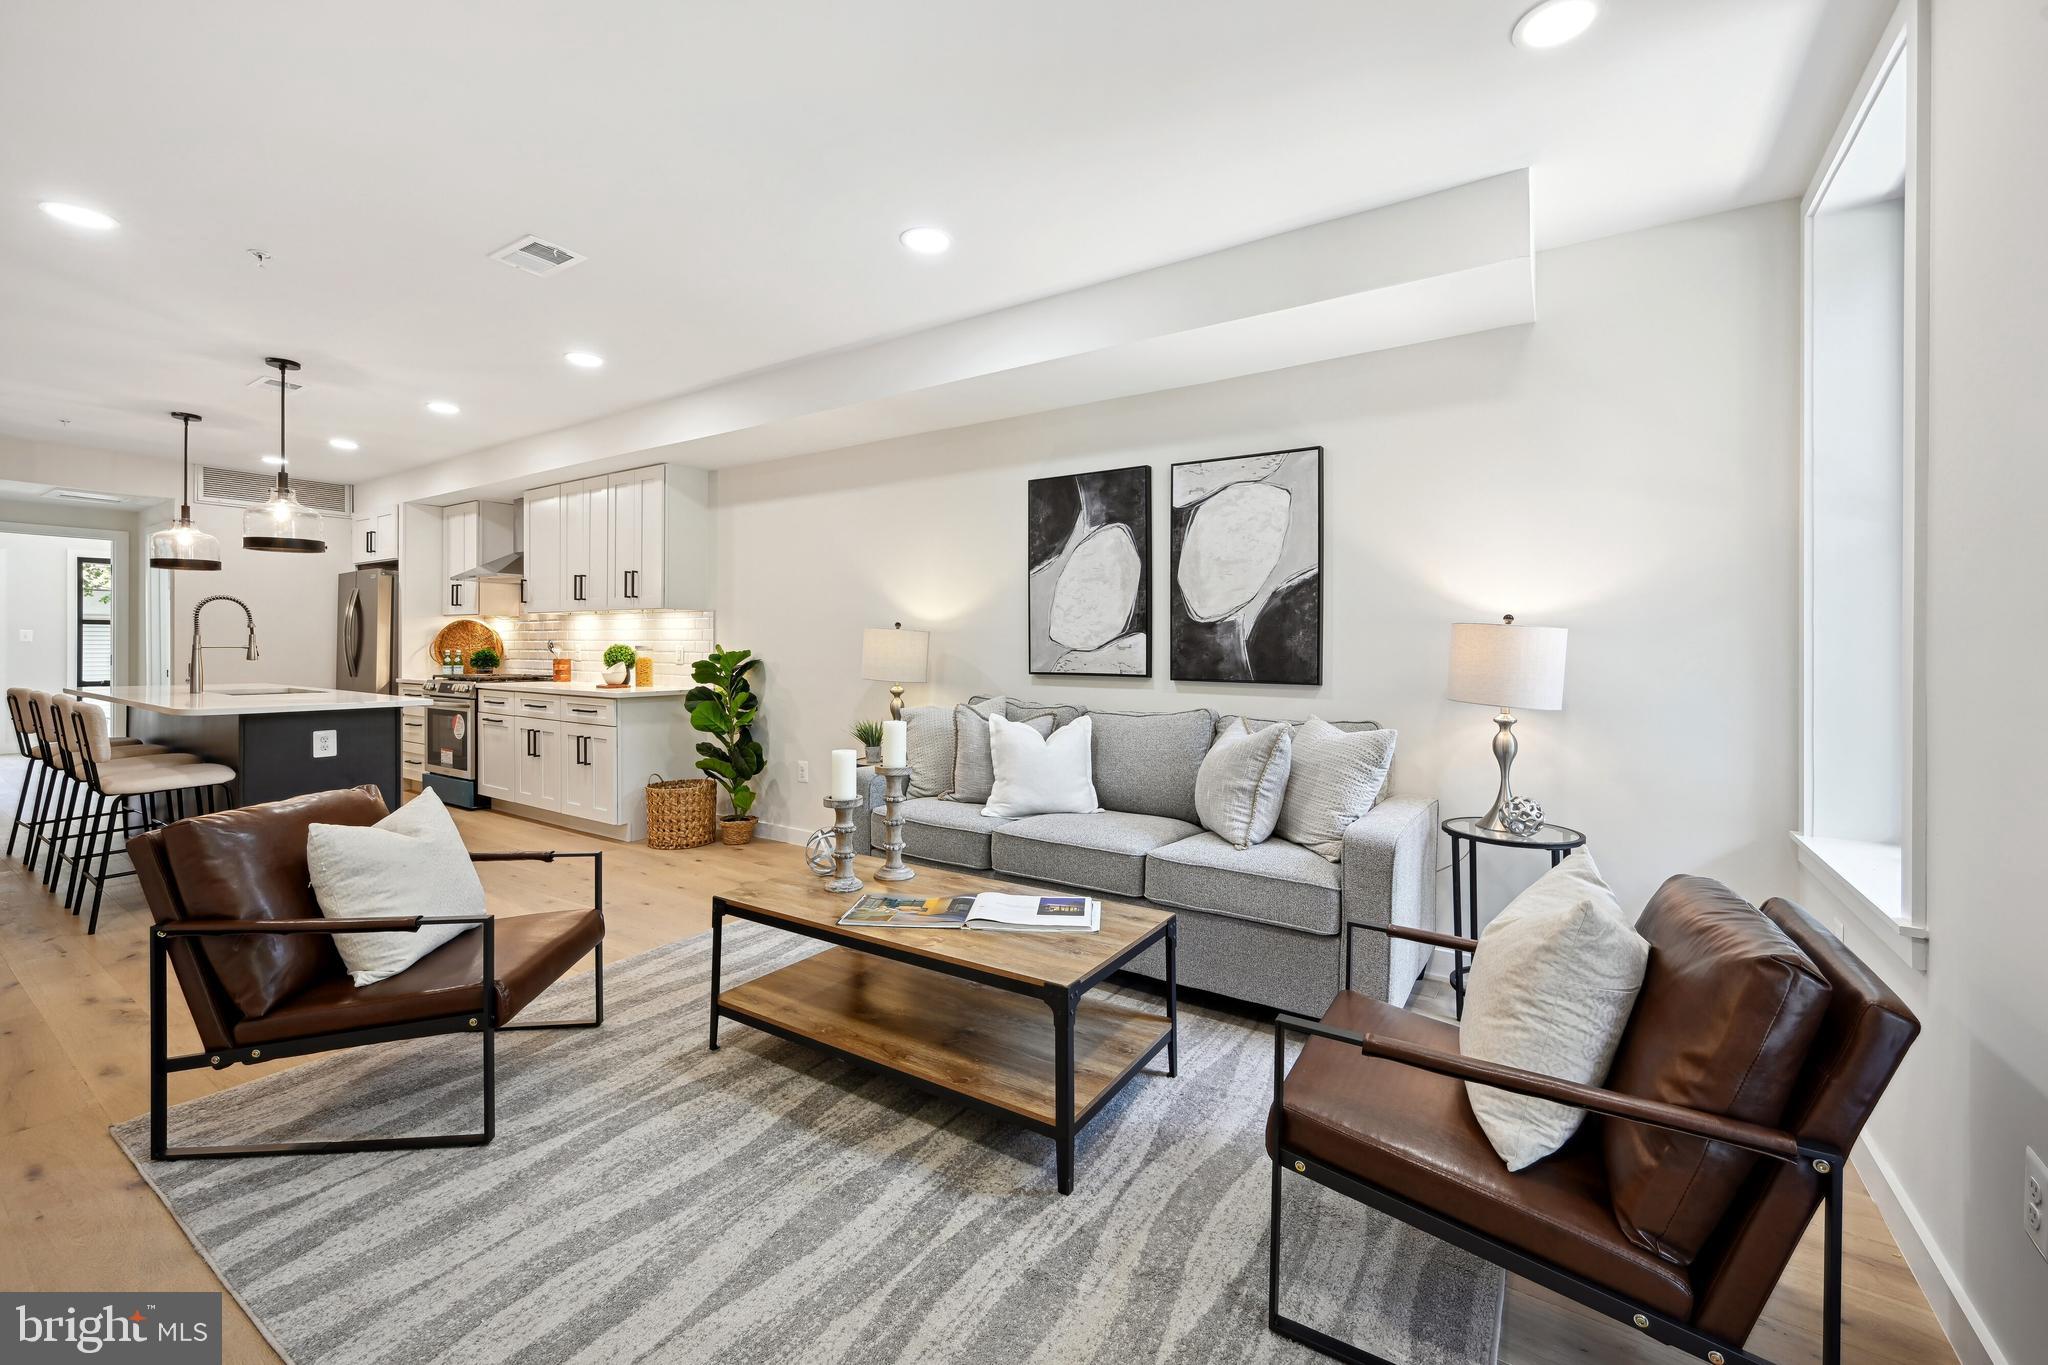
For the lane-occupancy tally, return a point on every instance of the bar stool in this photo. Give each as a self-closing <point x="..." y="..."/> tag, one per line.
<point x="58" y="795"/>
<point x="41" y="771"/>
<point x="110" y="777"/>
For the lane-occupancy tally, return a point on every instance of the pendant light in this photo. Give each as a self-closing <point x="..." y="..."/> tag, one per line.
<point x="282" y="523"/>
<point x="181" y="545"/>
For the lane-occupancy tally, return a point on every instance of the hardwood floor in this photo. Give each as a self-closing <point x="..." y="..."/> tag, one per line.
<point x="73" y="1020"/>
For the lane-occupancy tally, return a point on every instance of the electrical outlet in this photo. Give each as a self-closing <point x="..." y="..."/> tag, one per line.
<point x="803" y="770"/>
<point x="324" y="745"/>
<point x="2032" y="1210"/>
<point x="28" y="637"/>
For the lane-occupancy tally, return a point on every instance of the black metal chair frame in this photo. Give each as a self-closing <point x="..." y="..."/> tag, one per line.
<point x="1824" y="1162"/>
<point x="484" y="1022"/>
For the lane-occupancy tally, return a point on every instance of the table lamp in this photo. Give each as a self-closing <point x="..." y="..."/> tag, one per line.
<point x="895" y="656"/>
<point x="1506" y="666"/>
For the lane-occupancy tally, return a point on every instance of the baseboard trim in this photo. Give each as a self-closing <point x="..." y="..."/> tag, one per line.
<point x="781" y="834"/>
<point x="1953" y="1311"/>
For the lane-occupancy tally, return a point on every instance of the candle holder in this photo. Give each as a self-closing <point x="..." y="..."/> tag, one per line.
<point x="842" y="843"/>
<point x="895" y="790"/>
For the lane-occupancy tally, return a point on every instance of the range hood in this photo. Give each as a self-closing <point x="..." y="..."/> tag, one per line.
<point x="505" y="566"/>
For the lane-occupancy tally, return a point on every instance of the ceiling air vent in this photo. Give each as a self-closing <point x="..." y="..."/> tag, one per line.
<point x="536" y="257"/>
<point x="272" y="382"/>
<point x="246" y="488"/>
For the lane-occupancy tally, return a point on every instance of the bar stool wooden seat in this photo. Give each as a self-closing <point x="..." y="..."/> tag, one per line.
<point x="57" y="788"/>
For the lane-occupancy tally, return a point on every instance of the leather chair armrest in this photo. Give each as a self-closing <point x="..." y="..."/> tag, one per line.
<point x="382" y="924"/>
<point x="1429" y="936"/>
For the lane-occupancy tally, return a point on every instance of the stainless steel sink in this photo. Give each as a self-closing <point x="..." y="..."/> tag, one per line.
<point x="260" y="690"/>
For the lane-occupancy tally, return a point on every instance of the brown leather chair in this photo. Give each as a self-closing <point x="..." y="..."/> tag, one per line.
<point x="1756" y="1051"/>
<point x="236" y="920"/>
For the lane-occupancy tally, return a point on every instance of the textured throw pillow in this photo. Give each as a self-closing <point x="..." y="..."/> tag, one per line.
<point x="411" y="862"/>
<point x="1730" y="1009"/>
<point x="1013" y="709"/>
<point x="928" y="744"/>
<point x="973" y="776"/>
<point x="1337" y="776"/>
<point x="1039" y="774"/>
<point x="1550" y="991"/>
<point x="1241" y="783"/>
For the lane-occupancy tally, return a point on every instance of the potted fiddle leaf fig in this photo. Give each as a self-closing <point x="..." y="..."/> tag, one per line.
<point x="724" y="706"/>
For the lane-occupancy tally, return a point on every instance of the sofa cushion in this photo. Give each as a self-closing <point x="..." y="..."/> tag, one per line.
<point x="1728" y="1010"/>
<point x="1032" y="710"/>
<point x="1411" y="1132"/>
<point x="928" y="745"/>
<point x="1240" y="785"/>
<point x="974" y="773"/>
<point x="942" y="831"/>
<point x="1146" y="763"/>
<point x="1273" y="883"/>
<point x="251" y="864"/>
<point x="1101" y="852"/>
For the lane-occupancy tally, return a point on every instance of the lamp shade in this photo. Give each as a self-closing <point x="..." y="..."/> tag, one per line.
<point x="895" y="656"/>
<point x="1517" y="668"/>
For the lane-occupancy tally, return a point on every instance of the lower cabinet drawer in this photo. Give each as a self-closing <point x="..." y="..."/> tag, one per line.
<point x="588" y="710"/>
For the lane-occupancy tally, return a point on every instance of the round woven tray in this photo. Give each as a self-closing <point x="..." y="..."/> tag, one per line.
<point x="468" y="636"/>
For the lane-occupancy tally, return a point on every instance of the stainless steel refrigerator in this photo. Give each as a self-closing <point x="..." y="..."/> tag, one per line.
<point x="366" y="631"/>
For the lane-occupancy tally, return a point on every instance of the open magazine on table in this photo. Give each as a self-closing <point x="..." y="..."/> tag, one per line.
<point x="989" y="910"/>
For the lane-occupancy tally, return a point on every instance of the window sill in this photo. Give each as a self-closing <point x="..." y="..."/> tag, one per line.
<point x="1869" y="879"/>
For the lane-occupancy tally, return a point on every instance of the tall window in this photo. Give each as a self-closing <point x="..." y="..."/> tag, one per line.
<point x="1860" y="808"/>
<point x="95" y="622"/>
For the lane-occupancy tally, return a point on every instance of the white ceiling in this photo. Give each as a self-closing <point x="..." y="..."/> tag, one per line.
<point x="737" y="175"/>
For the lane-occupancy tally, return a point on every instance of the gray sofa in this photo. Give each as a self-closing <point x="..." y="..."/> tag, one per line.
<point x="1261" y="925"/>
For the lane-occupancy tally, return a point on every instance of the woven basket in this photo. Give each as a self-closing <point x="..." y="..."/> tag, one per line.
<point x="682" y="813"/>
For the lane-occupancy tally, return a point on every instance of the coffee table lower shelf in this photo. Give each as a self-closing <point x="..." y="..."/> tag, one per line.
<point x="991" y="1048"/>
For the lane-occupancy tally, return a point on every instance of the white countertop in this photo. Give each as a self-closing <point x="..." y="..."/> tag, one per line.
<point x="242" y="699"/>
<point x="587" y="689"/>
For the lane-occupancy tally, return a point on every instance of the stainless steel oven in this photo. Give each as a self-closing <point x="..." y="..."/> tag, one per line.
<point x="450" y="766"/>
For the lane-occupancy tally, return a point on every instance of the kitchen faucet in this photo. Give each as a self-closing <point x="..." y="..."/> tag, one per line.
<point x="196" y="675"/>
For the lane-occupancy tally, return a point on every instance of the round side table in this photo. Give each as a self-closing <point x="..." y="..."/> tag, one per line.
<point x="1466" y="836"/>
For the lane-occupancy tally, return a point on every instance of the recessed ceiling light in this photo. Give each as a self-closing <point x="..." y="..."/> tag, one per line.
<point x="1554" y="23"/>
<point x="442" y="407"/>
<point x="926" y="241"/>
<point x="78" y="216"/>
<point x="273" y="459"/>
<point x="585" y="360"/>
<point x="342" y="443"/>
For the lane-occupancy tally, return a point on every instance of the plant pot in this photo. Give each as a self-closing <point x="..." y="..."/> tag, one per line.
<point x="874" y="755"/>
<point x="615" y="674"/>
<point x="735" y="830"/>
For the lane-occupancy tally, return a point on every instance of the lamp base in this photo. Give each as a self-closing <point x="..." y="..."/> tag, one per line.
<point x="1504" y="748"/>
<point x="896" y="702"/>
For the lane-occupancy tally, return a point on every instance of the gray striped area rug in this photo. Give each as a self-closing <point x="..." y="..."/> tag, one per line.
<point x="646" y="1199"/>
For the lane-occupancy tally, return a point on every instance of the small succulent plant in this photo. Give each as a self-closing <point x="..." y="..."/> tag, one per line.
<point x="618" y="654"/>
<point x="868" y="732"/>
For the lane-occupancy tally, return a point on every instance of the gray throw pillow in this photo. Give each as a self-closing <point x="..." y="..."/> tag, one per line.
<point x="1336" y="777"/>
<point x="1031" y="710"/>
<point x="974" y="773"/>
<point x="928" y="742"/>
<point x="1242" y="782"/>
<point x="1145" y="763"/>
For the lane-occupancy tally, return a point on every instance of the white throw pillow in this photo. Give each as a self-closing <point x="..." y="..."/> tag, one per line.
<point x="1240" y="785"/>
<point x="1336" y="776"/>
<point x="1039" y="774"/>
<point x="411" y="862"/>
<point x="1550" y="990"/>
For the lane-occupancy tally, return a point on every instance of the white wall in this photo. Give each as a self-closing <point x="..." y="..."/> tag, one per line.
<point x="293" y="597"/>
<point x="125" y="532"/>
<point x="38" y="593"/>
<point x="1627" y="467"/>
<point x="1974" y="1092"/>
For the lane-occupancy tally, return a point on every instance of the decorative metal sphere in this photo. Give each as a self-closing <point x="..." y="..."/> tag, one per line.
<point x="818" y="852"/>
<point x="1522" y="816"/>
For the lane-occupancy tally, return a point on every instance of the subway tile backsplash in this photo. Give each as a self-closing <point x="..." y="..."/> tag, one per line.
<point x="675" y="639"/>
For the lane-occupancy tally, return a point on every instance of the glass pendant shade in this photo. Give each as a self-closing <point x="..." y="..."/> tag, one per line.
<point x="283" y="523"/>
<point x="181" y="545"/>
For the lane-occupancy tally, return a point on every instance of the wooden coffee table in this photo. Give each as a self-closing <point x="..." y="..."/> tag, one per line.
<point x="959" y="1012"/>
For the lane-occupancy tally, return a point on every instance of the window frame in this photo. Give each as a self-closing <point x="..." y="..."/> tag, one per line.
<point x="79" y="620"/>
<point x="1846" y="870"/>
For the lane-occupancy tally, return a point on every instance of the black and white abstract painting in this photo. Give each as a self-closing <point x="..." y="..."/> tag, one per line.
<point x="1247" y="567"/>
<point x="1091" y="574"/>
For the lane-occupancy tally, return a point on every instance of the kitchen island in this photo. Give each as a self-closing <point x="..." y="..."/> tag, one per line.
<point x="280" y="740"/>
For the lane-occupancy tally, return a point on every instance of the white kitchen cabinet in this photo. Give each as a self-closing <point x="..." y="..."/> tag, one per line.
<point x="497" y="758"/>
<point x="638" y="539"/>
<point x="590" y="773"/>
<point x="537" y="767"/>
<point x="458" y="552"/>
<point x="375" y="536"/>
<point x="471" y="533"/>
<point x="586" y="543"/>
<point x="543" y="552"/>
<point x="638" y="500"/>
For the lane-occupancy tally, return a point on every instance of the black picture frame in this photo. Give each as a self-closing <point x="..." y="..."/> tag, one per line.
<point x="1061" y="512"/>
<point x="1280" y="646"/>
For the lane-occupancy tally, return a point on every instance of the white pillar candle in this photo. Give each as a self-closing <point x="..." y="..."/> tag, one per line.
<point x="844" y="761"/>
<point x="895" y="744"/>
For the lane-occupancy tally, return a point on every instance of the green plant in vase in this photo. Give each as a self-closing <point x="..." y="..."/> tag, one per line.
<point x="618" y="662"/>
<point x="485" y="659"/>
<point x="723" y="705"/>
<point x="869" y="733"/>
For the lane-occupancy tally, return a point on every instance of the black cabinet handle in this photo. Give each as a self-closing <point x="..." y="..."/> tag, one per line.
<point x="369" y="542"/>
<point x="455" y="594"/>
<point x="522" y="592"/>
<point x="578" y="590"/>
